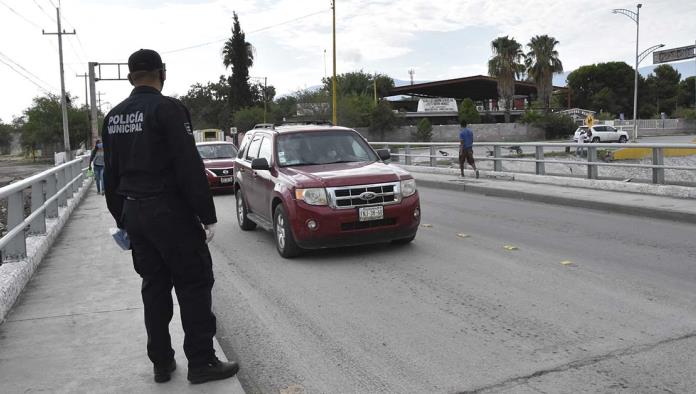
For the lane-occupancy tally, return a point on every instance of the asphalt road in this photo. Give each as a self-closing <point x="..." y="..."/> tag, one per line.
<point x="589" y="302"/>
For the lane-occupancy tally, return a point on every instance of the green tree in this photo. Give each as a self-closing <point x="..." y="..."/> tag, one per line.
<point x="360" y="83"/>
<point x="663" y="89"/>
<point x="209" y="104"/>
<point x="246" y="118"/>
<point x="424" y="130"/>
<point x="383" y="119"/>
<point x="687" y="94"/>
<point x="42" y="125"/>
<point x="506" y="66"/>
<point x="604" y="86"/>
<point x="239" y="55"/>
<point x="468" y="112"/>
<point x="6" y="131"/>
<point x="542" y="62"/>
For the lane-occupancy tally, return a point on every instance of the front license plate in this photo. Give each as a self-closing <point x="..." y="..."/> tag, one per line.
<point x="371" y="213"/>
<point x="226" y="180"/>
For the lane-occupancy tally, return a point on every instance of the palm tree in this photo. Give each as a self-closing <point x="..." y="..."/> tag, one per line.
<point x="542" y="62"/>
<point x="237" y="43"/>
<point x="239" y="55"/>
<point x="506" y="66"/>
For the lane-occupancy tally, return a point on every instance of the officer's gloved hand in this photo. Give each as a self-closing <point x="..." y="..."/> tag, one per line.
<point x="209" y="232"/>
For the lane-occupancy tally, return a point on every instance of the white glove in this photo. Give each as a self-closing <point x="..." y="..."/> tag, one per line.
<point x="209" y="232"/>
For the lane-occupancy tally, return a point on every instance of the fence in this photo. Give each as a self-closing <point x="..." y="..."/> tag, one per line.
<point x="495" y="154"/>
<point x="649" y="124"/>
<point x="48" y="191"/>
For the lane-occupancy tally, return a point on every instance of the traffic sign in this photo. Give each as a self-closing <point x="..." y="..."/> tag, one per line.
<point x="671" y="55"/>
<point x="589" y="120"/>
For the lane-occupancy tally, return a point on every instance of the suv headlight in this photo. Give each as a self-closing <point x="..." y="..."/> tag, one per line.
<point x="315" y="196"/>
<point x="408" y="187"/>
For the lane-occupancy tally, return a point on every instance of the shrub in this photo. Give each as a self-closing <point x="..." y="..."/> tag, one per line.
<point x="554" y="125"/>
<point x="468" y="112"/>
<point x="383" y="119"/>
<point x="425" y="130"/>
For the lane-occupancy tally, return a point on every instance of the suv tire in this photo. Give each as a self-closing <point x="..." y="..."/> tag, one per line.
<point x="244" y="222"/>
<point x="596" y="140"/>
<point x="285" y="242"/>
<point x="623" y="139"/>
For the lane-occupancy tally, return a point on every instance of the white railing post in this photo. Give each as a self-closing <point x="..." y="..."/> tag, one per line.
<point x="540" y="167"/>
<point x="407" y="151"/>
<point x="592" y="172"/>
<point x="16" y="249"/>
<point x="433" y="158"/>
<point x="497" y="164"/>
<point x="62" y="200"/>
<point x="51" y="189"/>
<point x="658" y="158"/>
<point x="38" y="197"/>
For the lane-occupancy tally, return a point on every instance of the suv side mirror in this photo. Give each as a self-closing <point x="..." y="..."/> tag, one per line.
<point x="260" y="164"/>
<point x="384" y="154"/>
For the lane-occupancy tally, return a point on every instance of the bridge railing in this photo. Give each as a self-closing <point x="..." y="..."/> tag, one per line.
<point x="429" y="154"/>
<point x="47" y="192"/>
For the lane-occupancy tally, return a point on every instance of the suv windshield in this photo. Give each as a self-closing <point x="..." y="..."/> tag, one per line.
<point x="322" y="147"/>
<point x="217" y="151"/>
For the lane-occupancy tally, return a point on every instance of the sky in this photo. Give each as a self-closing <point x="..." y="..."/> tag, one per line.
<point x="292" y="39"/>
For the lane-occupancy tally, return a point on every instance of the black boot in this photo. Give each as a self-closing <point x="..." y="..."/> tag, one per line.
<point x="163" y="372"/>
<point x="213" y="370"/>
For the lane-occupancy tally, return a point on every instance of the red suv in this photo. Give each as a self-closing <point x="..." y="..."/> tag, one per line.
<point x="322" y="186"/>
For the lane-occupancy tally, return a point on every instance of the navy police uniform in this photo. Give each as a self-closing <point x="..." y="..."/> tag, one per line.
<point x="156" y="189"/>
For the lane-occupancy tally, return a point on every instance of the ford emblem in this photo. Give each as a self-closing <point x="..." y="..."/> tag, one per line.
<point x="225" y="172"/>
<point x="367" y="196"/>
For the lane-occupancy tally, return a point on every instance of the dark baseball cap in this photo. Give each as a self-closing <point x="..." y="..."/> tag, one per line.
<point x="145" y="60"/>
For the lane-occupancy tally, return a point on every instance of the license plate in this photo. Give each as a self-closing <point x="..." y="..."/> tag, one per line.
<point x="371" y="213"/>
<point x="226" y="180"/>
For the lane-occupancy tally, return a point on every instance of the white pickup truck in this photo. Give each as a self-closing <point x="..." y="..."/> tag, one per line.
<point x="600" y="133"/>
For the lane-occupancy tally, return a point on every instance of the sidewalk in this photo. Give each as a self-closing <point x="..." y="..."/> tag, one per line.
<point x="661" y="207"/>
<point x="78" y="325"/>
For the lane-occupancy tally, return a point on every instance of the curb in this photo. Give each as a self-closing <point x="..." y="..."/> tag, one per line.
<point x="656" y="213"/>
<point x="15" y="275"/>
<point x="673" y="191"/>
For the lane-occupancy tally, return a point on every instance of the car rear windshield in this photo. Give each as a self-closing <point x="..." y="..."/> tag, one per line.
<point x="322" y="147"/>
<point x="217" y="151"/>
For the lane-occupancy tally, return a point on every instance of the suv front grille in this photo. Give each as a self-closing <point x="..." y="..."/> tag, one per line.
<point x="369" y="224"/>
<point x="221" y="171"/>
<point x="362" y="195"/>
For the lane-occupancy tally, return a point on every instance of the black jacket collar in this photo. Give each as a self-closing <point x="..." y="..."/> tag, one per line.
<point x="145" y="89"/>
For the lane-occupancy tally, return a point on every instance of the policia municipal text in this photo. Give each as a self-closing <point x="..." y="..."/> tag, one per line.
<point x="157" y="191"/>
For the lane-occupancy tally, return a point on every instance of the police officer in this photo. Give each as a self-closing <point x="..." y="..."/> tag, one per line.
<point x="157" y="191"/>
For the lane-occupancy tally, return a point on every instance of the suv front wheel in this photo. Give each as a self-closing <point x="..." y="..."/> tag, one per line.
<point x="244" y="222"/>
<point x="285" y="242"/>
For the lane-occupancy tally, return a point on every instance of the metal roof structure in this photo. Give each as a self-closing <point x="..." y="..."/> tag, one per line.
<point x="478" y="87"/>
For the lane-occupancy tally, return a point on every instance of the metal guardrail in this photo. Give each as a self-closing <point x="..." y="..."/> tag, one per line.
<point x="658" y="167"/>
<point x="49" y="190"/>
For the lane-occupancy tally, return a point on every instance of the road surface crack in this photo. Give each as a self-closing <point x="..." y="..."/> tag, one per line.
<point x="633" y="350"/>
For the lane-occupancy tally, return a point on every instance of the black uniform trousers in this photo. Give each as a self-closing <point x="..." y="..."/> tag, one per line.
<point x="169" y="250"/>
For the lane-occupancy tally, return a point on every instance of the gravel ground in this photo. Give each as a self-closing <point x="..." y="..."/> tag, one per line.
<point x="559" y="166"/>
<point x="12" y="169"/>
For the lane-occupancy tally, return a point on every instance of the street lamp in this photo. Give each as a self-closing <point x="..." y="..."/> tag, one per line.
<point x="635" y="16"/>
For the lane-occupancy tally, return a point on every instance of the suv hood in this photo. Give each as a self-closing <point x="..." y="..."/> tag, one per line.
<point x="343" y="174"/>
<point x="219" y="163"/>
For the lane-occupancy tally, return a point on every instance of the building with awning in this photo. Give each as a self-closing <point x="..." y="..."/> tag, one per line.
<point x="483" y="90"/>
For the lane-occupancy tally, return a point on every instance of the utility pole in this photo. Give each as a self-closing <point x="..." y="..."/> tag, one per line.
<point x="89" y="116"/>
<point x="333" y="84"/>
<point x="635" y="16"/>
<point x="411" y="73"/>
<point x="265" y="98"/>
<point x="63" y="103"/>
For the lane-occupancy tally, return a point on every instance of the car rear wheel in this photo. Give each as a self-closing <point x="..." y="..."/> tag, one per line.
<point x="623" y="139"/>
<point x="285" y="242"/>
<point x="595" y="140"/>
<point x="244" y="222"/>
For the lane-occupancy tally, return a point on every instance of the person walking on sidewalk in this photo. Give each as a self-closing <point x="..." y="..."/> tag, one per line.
<point x="156" y="189"/>
<point x="96" y="162"/>
<point x="466" y="148"/>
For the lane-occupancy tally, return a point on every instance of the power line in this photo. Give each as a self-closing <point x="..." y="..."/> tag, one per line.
<point x="20" y="15"/>
<point x="84" y="52"/>
<point x="251" y="32"/>
<point x="44" y="11"/>
<point x="25" y="70"/>
<point x="25" y="77"/>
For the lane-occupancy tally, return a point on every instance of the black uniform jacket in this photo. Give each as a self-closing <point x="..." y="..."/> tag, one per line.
<point x="150" y="151"/>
